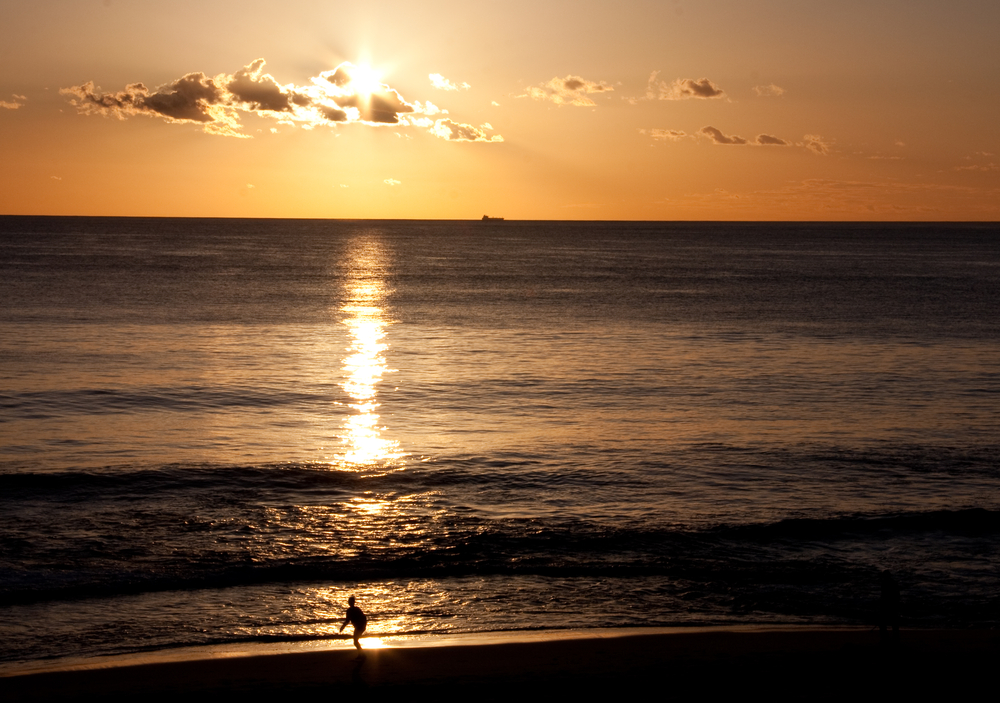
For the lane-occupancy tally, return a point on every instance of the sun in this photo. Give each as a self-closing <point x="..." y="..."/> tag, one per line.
<point x="365" y="80"/>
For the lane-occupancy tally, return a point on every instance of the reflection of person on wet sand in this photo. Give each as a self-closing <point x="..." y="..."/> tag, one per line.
<point x="888" y="608"/>
<point x="357" y="618"/>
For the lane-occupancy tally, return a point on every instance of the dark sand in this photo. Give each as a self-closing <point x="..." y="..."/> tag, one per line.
<point x="800" y="662"/>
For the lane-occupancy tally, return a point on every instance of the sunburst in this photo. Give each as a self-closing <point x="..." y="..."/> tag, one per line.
<point x="365" y="80"/>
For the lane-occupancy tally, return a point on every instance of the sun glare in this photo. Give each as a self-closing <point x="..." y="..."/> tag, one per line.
<point x="373" y="643"/>
<point x="365" y="80"/>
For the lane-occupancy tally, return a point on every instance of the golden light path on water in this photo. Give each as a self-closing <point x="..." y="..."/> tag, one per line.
<point x="365" y="450"/>
<point x="365" y="364"/>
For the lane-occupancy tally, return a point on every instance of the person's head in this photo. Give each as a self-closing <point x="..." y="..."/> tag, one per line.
<point x="350" y="601"/>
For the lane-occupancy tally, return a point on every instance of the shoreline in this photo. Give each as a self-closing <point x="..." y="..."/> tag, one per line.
<point x="692" y="659"/>
<point x="372" y="642"/>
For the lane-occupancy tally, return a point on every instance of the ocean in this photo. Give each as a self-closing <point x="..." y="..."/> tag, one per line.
<point x="216" y="430"/>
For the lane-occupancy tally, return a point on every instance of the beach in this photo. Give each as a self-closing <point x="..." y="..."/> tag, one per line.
<point x="813" y="662"/>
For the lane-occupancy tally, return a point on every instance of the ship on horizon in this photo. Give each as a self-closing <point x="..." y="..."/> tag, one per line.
<point x="487" y="218"/>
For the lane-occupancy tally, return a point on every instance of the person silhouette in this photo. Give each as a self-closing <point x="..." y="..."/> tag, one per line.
<point x="355" y="617"/>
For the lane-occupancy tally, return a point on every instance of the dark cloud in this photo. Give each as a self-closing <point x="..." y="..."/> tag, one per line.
<point x="701" y="88"/>
<point x="186" y="99"/>
<point x="768" y="140"/>
<point x="380" y="108"/>
<point x="719" y="138"/>
<point x="331" y="113"/>
<point x="193" y="98"/>
<point x="340" y="76"/>
<point x="345" y="94"/>
<point x="258" y="91"/>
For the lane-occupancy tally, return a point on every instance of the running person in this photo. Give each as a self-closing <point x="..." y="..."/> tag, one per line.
<point x="357" y="618"/>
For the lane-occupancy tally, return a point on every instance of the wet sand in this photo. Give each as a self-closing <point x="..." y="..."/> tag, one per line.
<point x="805" y="662"/>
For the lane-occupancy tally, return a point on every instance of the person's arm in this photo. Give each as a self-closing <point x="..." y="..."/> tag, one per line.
<point x="346" y="620"/>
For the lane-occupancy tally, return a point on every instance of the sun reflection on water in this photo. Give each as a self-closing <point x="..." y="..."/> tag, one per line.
<point x="365" y="364"/>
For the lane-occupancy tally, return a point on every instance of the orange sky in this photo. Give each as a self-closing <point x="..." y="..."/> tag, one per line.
<point x="718" y="110"/>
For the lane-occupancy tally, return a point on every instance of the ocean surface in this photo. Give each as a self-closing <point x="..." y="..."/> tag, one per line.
<point x="215" y="431"/>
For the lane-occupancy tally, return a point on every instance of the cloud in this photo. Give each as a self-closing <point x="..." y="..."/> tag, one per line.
<point x="719" y="138"/>
<point x="442" y="83"/>
<point x="18" y="102"/>
<point x="256" y="90"/>
<point x="428" y="108"/>
<point x="345" y="95"/>
<point x="391" y="182"/>
<point x="353" y="91"/>
<point x="768" y="140"/>
<point x="768" y="91"/>
<point x="192" y="98"/>
<point x="664" y="134"/>
<point x="571" y="90"/>
<point x="456" y="132"/>
<point x="681" y="89"/>
<point x="980" y="156"/>
<point x="816" y="144"/>
<point x="979" y="167"/>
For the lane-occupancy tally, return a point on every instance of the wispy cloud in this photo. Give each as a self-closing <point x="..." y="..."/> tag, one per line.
<point x="456" y="132"/>
<point x="19" y="101"/>
<point x="680" y="89"/>
<point x="442" y="83"/>
<point x="984" y="159"/>
<point x="345" y="95"/>
<point x="571" y="90"/>
<point x="816" y="144"/>
<point x="979" y="167"/>
<point x="769" y="91"/>
<point x="391" y="182"/>
<point x="664" y="134"/>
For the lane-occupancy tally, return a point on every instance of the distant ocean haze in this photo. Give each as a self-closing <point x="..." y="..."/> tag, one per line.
<point x="663" y="422"/>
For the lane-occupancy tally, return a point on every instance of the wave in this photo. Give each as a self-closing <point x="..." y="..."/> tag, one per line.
<point x="786" y="551"/>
